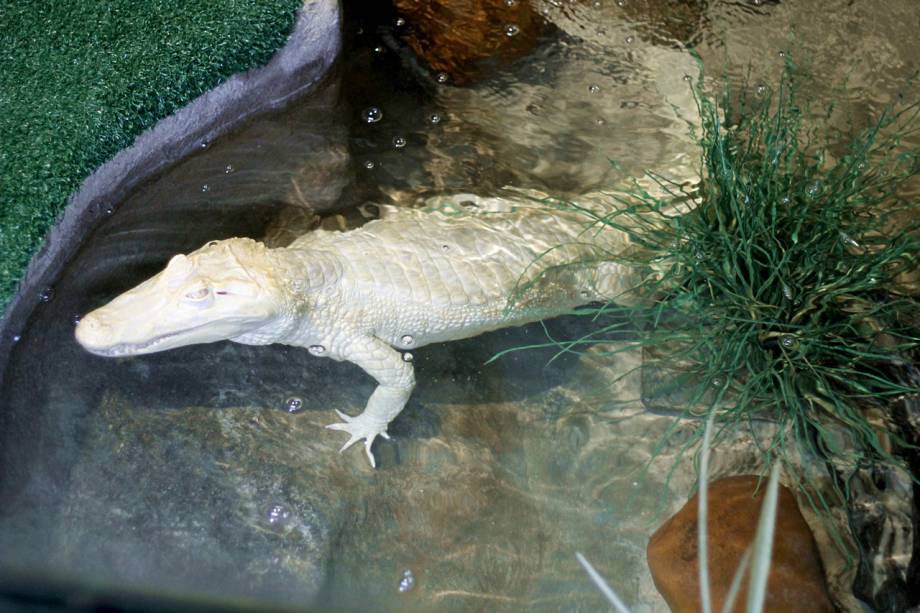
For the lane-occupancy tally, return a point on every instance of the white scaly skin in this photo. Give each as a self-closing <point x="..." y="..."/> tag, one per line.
<point x="409" y="279"/>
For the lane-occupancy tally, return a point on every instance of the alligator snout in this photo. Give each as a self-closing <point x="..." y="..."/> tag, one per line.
<point x="93" y="333"/>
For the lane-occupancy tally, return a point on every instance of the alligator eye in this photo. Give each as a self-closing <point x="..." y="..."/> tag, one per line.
<point x="198" y="294"/>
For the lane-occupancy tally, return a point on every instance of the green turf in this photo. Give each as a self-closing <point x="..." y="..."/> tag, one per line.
<point x="79" y="80"/>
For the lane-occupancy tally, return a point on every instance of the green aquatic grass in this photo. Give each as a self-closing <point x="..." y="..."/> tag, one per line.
<point x="80" y="80"/>
<point x="779" y="292"/>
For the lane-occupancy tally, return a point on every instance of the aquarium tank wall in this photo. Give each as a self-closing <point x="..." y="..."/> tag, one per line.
<point x="493" y="305"/>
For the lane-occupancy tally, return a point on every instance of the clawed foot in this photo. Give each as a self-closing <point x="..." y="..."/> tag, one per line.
<point x="360" y="427"/>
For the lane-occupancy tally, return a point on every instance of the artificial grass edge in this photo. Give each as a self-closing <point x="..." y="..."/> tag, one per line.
<point x="81" y="81"/>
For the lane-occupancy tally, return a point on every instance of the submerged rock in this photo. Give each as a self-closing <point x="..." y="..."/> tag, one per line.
<point x="884" y="514"/>
<point x="796" y="580"/>
<point x="453" y="38"/>
<point x="200" y="500"/>
<point x="882" y="517"/>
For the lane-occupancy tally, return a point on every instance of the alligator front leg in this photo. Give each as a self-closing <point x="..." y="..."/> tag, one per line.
<point x="396" y="379"/>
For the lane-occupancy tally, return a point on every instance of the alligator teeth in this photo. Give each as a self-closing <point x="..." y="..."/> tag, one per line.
<point x="127" y="349"/>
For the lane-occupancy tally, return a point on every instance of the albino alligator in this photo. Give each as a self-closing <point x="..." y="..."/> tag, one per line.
<point x="367" y="295"/>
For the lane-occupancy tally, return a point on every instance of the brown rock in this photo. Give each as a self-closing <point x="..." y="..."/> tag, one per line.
<point x="458" y="37"/>
<point x="454" y="36"/>
<point x="796" y="580"/>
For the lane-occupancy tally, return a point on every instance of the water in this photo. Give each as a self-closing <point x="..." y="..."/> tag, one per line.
<point x="210" y="467"/>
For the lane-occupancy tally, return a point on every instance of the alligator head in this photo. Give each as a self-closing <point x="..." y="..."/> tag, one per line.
<point x="225" y="290"/>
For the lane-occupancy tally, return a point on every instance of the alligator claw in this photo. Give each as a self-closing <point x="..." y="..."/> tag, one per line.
<point x="343" y="416"/>
<point x="351" y="441"/>
<point x="358" y="429"/>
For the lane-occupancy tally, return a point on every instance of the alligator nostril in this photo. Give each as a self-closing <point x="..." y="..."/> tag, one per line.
<point x="91" y="331"/>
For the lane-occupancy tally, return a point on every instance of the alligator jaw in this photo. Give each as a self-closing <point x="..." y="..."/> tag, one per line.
<point x="130" y="349"/>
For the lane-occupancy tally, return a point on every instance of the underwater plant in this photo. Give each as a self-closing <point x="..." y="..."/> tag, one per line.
<point x="777" y="289"/>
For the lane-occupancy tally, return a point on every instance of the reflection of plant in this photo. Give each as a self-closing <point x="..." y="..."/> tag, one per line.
<point x="760" y="550"/>
<point x="781" y="294"/>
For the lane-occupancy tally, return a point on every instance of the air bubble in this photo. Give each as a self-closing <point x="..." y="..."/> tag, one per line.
<point x="717" y="382"/>
<point x="629" y="104"/>
<point x="511" y="30"/>
<point x="435" y="118"/>
<point x="17" y="338"/>
<point x="687" y="78"/>
<point x="399" y="142"/>
<point x="400" y="22"/>
<point x="761" y="90"/>
<point x="293" y="405"/>
<point x="406" y="582"/>
<point x="594" y="88"/>
<point x="787" y="292"/>
<point x="407" y="340"/>
<point x="630" y="39"/>
<point x="848" y="240"/>
<point x="788" y="342"/>
<point x="442" y="77"/>
<point x="600" y="121"/>
<point x="372" y="114"/>
<point x="510" y="3"/>
<point x="205" y="188"/>
<point x="46" y="295"/>
<point x="316" y="349"/>
<point x="369" y="164"/>
<point x="204" y="144"/>
<point x="782" y="54"/>
<point x="228" y="169"/>
<point x="278" y="514"/>
<point x="378" y="49"/>
<point x="407" y="357"/>
<point x="621" y="3"/>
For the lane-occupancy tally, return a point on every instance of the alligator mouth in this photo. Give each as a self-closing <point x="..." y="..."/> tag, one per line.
<point x="129" y="349"/>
